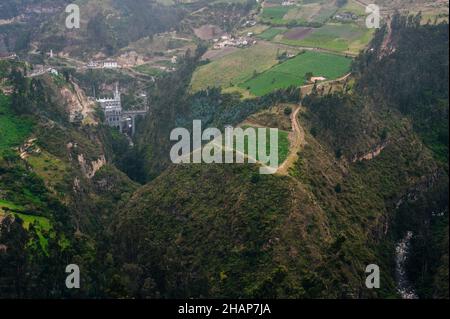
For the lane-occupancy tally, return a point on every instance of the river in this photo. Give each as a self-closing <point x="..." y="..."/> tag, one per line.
<point x="404" y="287"/>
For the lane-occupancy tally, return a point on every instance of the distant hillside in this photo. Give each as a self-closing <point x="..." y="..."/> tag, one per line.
<point x="109" y="25"/>
<point x="21" y="19"/>
<point x="106" y="26"/>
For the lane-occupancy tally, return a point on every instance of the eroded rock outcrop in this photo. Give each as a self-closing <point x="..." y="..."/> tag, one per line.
<point x="90" y="168"/>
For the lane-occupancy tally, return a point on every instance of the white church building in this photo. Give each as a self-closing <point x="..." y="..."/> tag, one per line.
<point x="112" y="109"/>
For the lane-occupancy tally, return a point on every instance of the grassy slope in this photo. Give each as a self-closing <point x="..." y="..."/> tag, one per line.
<point x="40" y="188"/>
<point x="283" y="144"/>
<point x="41" y="224"/>
<point x="272" y="118"/>
<point x="274" y="13"/>
<point x="13" y="129"/>
<point x="9" y="206"/>
<point x="49" y="167"/>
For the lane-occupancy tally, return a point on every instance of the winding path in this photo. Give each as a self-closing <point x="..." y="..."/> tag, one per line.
<point x="297" y="139"/>
<point x="320" y="84"/>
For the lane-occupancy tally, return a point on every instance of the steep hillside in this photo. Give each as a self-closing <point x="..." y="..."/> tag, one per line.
<point x="325" y="224"/>
<point x="236" y="244"/>
<point x="58" y="185"/>
<point x="226" y="231"/>
<point x="408" y="72"/>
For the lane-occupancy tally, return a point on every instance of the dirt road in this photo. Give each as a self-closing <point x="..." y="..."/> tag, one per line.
<point x="297" y="139"/>
<point x="320" y="84"/>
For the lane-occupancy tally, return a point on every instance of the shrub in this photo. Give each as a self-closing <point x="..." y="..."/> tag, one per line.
<point x="287" y="110"/>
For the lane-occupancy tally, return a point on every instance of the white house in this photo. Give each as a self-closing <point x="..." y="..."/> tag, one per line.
<point x="110" y="65"/>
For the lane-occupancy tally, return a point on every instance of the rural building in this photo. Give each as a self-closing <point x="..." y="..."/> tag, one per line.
<point x="110" y="65"/>
<point x="92" y="65"/>
<point x="346" y="16"/>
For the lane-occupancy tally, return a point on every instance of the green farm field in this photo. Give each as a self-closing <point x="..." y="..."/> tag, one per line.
<point x="316" y="12"/>
<point x="293" y="71"/>
<point x="238" y="66"/>
<point x="274" y="13"/>
<point x="271" y="33"/>
<point x="347" y="38"/>
<point x="283" y="144"/>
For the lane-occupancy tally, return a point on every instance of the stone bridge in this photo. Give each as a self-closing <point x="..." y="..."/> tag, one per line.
<point x="129" y="117"/>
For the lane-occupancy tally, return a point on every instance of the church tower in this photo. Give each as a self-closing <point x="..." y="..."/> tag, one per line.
<point x="117" y="93"/>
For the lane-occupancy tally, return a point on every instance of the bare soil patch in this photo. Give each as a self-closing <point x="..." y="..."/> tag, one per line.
<point x="217" y="54"/>
<point x="298" y="33"/>
<point x="208" y="32"/>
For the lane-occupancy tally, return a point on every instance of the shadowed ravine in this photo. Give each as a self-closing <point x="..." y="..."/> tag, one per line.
<point x="404" y="287"/>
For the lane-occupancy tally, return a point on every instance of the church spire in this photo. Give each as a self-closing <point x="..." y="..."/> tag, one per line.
<point x="117" y="94"/>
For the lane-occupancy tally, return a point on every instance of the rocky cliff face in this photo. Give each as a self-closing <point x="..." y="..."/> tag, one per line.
<point x="90" y="168"/>
<point x="79" y="106"/>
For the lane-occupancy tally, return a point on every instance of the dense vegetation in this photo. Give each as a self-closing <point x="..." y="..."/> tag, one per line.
<point x="51" y="213"/>
<point x="413" y="79"/>
<point x="173" y="106"/>
<point x="16" y="36"/>
<point x="407" y="82"/>
<point x="359" y="205"/>
<point x="374" y="166"/>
